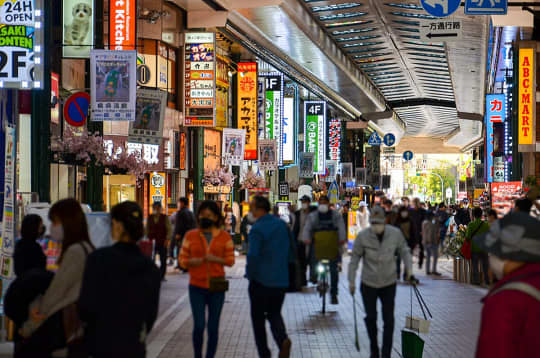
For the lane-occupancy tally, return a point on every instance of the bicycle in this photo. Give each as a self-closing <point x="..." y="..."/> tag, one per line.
<point x="323" y="270"/>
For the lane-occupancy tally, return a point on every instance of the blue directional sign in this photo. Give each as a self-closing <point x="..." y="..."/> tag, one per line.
<point x="375" y="139"/>
<point x="486" y="7"/>
<point x="408" y="155"/>
<point x="441" y="8"/>
<point x="389" y="140"/>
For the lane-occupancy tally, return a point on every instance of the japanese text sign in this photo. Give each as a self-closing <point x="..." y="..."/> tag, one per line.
<point x="274" y="109"/>
<point x="247" y="106"/>
<point x="122" y="24"/>
<point x="526" y="98"/>
<point x="334" y="140"/>
<point x="314" y="133"/>
<point x="495" y="113"/>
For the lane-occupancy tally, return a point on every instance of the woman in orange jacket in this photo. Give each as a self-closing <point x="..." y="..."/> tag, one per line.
<point x="205" y="252"/>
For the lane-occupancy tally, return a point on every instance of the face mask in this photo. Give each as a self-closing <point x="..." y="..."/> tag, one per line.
<point x="404" y="214"/>
<point x="323" y="209"/>
<point x="497" y="266"/>
<point x="377" y="228"/>
<point x="206" y="223"/>
<point x="57" y="232"/>
<point x="465" y="206"/>
<point x="305" y="206"/>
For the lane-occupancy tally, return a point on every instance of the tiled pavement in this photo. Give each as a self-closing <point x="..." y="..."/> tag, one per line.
<point x="454" y="328"/>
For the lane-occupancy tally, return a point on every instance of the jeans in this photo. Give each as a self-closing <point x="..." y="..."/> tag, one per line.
<point x="266" y="303"/>
<point x="479" y="258"/>
<point x="172" y="246"/>
<point x="387" y="296"/>
<point x="161" y="250"/>
<point x="432" y="251"/>
<point x="199" y="298"/>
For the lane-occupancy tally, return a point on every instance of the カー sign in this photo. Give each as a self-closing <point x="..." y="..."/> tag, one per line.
<point x="78" y="16"/>
<point x="495" y="113"/>
<point x="122" y="24"/>
<point x="526" y="99"/>
<point x="314" y="132"/>
<point x="274" y="108"/>
<point x="247" y="106"/>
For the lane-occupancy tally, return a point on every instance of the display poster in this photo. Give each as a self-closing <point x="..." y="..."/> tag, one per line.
<point x="247" y="106"/>
<point x="314" y="133"/>
<point x="274" y="110"/>
<point x="113" y="82"/>
<point x="261" y="107"/>
<point x="122" y="24"/>
<point x="353" y="226"/>
<point x="149" y="117"/>
<point x="527" y="97"/>
<point x="503" y="196"/>
<point x="495" y="113"/>
<point x="479" y="176"/>
<point x="21" y="44"/>
<point x="331" y="171"/>
<point x="8" y="222"/>
<point x="355" y="203"/>
<point x="333" y="193"/>
<point x="212" y="149"/>
<point x="158" y="189"/>
<point x="288" y="138"/>
<point x="498" y="169"/>
<point x="200" y="79"/>
<point x="222" y="110"/>
<point x="233" y="146"/>
<point x="78" y="16"/>
<point x="334" y="139"/>
<point x="346" y="172"/>
<point x="305" y="165"/>
<point x="267" y="154"/>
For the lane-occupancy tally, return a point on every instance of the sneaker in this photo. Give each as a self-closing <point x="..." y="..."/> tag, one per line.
<point x="334" y="300"/>
<point x="436" y="273"/>
<point x="285" y="351"/>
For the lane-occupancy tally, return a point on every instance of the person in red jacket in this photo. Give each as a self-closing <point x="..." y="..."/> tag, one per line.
<point x="159" y="230"/>
<point x="510" y="316"/>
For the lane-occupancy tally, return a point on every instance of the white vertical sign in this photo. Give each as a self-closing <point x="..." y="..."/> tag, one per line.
<point x="287" y="136"/>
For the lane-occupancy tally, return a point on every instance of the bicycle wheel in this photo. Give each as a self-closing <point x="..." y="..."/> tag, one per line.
<point x="324" y="295"/>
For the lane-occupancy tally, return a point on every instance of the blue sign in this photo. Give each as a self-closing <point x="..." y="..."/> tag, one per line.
<point x="375" y="140"/>
<point x="486" y="7"/>
<point x="441" y="8"/>
<point x="408" y="155"/>
<point x="495" y="113"/>
<point x="389" y="140"/>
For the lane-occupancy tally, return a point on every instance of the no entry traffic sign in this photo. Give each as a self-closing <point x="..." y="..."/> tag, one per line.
<point x="76" y="109"/>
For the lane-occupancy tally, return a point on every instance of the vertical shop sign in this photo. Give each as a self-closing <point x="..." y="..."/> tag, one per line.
<point x="158" y="189"/>
<point x="149" y="117"/>
<point x="55" y="98"/>
<point x="288" y="137"/>
<point x="122" y="24"/>
<point x="233" y="146"/>
<point x="314" y="133"/>
<point x="373" y="166"/>
<point x="334" y="139"/>
<point x="261" y="109"/>
<point x="200" y="79"/>
<point x="183" y="151"/>
<point x="212" y="149"/>
<point x="247" y="106"/>
<point x="527" y="98"/>
<point x="274" y="110"/>
<point x="8" y="227"/>
<point x="495" y="113"/>
<point x="78" y="16"/>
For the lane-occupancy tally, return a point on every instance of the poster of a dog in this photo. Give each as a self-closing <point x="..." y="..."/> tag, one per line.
<point x="78" y="20"/>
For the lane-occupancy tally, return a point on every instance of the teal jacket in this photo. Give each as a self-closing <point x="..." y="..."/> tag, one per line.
<point x="476" y="228"/>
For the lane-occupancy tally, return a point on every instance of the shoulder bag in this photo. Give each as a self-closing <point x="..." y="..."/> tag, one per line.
<point x="215" y="284"/>
<point x="466" y="248"/>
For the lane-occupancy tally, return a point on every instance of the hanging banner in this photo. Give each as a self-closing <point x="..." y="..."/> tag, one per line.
<point x="314" y="133"/>
<point x="274" y="109"/>
<point x="334" y="139"/>
<point x="267" y="154"/>
<point x="233" y="146"/>
<point x="331" y="171"/>
<point x="346" y="172"/>
<point x="333" y="193"/>
<point x="113" y="85"/>
<point x="495" y="113"/>
<point x="182" y="151"/>
<point x="288" y="137"/>
<point x="212" y="149"/>
<point x="247" y="106"/>
<point x="78" y="16"/>
<point x="527" y="100"/>
<point x="150" y="114"/>
<point x="305" y="166"/>
<point x="8" y="222"/>
<point x="261" y="108"/>
<point x="158" y="189"/>
<point x="122" y="24"/>
<point x="200" y="79"/>
<point x="373" y="166"/>
<point x="503" y="196"/>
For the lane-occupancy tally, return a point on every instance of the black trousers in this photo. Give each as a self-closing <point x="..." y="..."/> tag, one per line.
<point x="479" y="258"/>
<point x="161" y="250"/>
<point x="266" y="303"/>
<point x="45" y="340"/>
<point x="387" y="296"/>
<point x="303" y="262"/>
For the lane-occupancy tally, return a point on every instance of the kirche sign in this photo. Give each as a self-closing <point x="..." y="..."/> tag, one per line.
<point x="122" y="24"/>
<point x="527" y="100"/>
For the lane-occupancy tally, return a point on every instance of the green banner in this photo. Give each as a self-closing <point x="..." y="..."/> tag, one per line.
<point x="314" y="141"/>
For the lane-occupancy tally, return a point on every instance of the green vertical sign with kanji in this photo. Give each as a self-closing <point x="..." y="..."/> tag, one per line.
<point x="314" y="132"/>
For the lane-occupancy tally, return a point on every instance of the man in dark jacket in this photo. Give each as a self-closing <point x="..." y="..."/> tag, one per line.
<point x="299" y="224"/>
<point x="184" y="221"/>
<point x="442" y="217"/>
<point x="418" y="216"/>
<point x="463" y="215"/>
<point x="158" y="230"/>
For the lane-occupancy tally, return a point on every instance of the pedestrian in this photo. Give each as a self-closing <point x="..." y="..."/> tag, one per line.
<point x="463" y="215"/>
<point x="442" y="218"/>
<point x="431" y="237"/>
<point x="492" y="216"/>
<point x="478" y="256"/>
<point x="245" y="228"/>
<point x="510" y="325"/>
<point x="267" y="271"/>
<point x="120" y="290"/>
<point x="377" y="246"/>
<point x="28" y="253"/>
<point x="523" y="205"/>
<point x="292" y="216"/>
<point x="404" y="223"/>
<point x="205" y="252"/>
<point x="53" y="320"/>
<point x="158" y="230"/>
<point x="418" y="215"/>
<point x="302" y="248"/>
<point x="184" y="221"/>
<point x="324" y="223"/>
<point x="230" y="221"/>
<point x="345" y="215"/>
<point x="363" y="216"/>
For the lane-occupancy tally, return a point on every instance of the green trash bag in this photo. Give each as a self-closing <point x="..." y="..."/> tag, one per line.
<point x="412" y="346"/>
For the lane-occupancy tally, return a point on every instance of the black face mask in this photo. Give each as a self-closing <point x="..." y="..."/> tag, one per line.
<point x="206" y="223"/>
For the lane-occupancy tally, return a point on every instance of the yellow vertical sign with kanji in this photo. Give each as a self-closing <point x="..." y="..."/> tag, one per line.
<point x="527" y="97"/>
<point x="247" y="106"/>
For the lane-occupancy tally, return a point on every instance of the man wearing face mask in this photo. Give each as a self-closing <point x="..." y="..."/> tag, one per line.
<point x="299" y="224"/>
<point x="463" y="215"/>
<point x="377" y="246"/>
<point x="327" y="221"/>
<point x="510" y="323"/>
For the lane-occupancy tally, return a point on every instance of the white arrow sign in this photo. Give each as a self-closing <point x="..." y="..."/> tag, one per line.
<point x="441" y="30"/>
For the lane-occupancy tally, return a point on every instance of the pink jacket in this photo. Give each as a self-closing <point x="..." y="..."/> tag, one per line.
<point x="511" y="320"/>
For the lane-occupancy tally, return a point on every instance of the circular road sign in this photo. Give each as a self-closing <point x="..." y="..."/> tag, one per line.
<point x="440" y="8"/>
<point x="408" y="155"/>
<point x="389" y="140"/>
<point x="76" y="109"/>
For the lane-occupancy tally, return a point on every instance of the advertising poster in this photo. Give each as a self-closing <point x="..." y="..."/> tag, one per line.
<point x="113" y="82"/>
<point x="55" y="93"/>
<point x="233" y="146"/>
<point x="8" y="222"/>
<point x="503" y="196"/>
<point x="305" y="165"/>
<point x="122" y="24"/>
<point x="212" y="149"/>
<point x="314" y="132"/>
<point x="373" y="166"/>
<point x="247" y="106"/>
<point x="200" y="79"/>
<point x="267" y="154"/>
<point x="287" y="136"/>
<point x="274" y="109"/>
<point x="334" y="139"/>
<point x="526" y="98"/>
<point x="149" y="117"/>
<point x="346" y="172"/>
<point x="331" y="171"/>
<point x="353" y="226"/>
<point x="78" y="16"/>
<point x="158" y="190"/>
<point x="333" y="193"/>
<point x="495" y="113"/>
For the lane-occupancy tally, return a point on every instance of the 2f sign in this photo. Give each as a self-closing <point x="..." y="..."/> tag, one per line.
<point x="315" y="109"/>
<point x="18" y="12"/>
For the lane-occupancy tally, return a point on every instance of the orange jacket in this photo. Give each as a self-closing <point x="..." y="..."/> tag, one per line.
<point x="195" y="246"/>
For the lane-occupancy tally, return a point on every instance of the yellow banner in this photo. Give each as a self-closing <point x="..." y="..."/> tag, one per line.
<point x="247" y="106"/>
<point x="527" y="98"/>
<point x="158" y="189"/>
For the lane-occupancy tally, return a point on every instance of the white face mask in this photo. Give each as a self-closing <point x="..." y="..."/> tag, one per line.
<point x="305" y="206"/>
<point x="404" y="214"/>
<point x="323" y="208"/>
<point x="497" y="266"/>
<point x="465" y="206"/>
<point x="57" y="232"/>
<point x="377" y="228"/>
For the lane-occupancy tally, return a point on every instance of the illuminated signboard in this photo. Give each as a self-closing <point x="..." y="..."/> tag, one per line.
<point x="274" y="109"/>
<point x="527" y="98"/>
<point x="334" y="140"/>
<point x="122" y="24"/>
<point x="314" y="134"/>
<point x="158" y="188"/>
<point x="247" y="106"/>
<point x="78" y="16"/>
<point x="287" y="137"/>
<point x="495" y="113"/>
<point x="21" y="44"/>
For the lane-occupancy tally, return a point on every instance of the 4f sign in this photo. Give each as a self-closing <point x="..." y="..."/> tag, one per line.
<point x="316" y="109"/>
<point x="315" y="132"/>
<point x="526" y="99"/>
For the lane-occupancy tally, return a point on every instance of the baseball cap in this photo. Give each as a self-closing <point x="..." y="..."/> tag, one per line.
<point x="305" y="198"/>
<point x="377" y="215"/>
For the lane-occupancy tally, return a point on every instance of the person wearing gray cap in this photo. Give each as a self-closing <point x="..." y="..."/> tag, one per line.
<point x="510" y="316"/>
<point x="378" y="246"/>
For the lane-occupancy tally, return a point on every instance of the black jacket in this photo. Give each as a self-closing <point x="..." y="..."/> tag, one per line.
<point x="185" y="221"/>
<point x="296" y="230"/>
<point x="463" y="217"/>
<point x="119" y="301"/>
<point x="28" y="255"/>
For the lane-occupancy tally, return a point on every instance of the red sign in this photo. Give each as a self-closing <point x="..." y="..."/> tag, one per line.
<point x="503" y="196"/>
<point x="334" y="139"/>
<point x="182" y="151"/>
<point x="122" y="24"/>
<point x="55" y="89"/>
<point x="76" y="109"/>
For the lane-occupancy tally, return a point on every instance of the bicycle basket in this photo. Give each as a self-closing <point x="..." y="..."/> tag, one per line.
<point x="326" y="245"/>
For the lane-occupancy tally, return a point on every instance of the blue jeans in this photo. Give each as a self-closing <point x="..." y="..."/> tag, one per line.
<point x="199" y="298"/>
